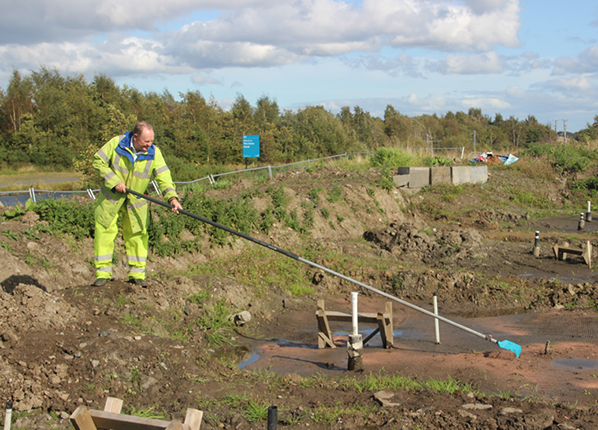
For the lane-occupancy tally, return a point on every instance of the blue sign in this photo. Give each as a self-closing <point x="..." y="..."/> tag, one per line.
<point x="251" y="146"/>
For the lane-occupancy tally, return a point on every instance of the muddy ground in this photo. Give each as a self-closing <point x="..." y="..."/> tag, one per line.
<point x="66" y="344"/>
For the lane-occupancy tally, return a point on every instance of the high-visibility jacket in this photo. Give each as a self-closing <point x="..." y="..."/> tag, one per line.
<point x="115" y="163"/>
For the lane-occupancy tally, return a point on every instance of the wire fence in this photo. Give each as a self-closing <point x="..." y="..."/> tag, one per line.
<point x="10" y="198"/>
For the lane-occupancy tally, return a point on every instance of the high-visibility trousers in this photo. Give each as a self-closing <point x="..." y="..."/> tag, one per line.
<point x="135" y="244"/>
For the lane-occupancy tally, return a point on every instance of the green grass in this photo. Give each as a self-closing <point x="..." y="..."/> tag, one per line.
<point x="260" y="267"/>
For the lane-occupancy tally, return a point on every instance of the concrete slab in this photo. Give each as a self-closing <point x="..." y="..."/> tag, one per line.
<point x="479" y="174"/>
<point x="419" y="177"/>
<point x="461" y="174"/>
<point x="401" y="180"/>
<point x="440" y="175"/>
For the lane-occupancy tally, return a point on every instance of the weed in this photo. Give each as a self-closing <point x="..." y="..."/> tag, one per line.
<point x="198" y="298"/>
<point x="217" y="324"/>
<point x="314" y="195"/>
<point x="152" y="412"/>
<point x="10" y="234"/>
<point x="325" y="213"/>
<point x="340" y="218"/>
<point x="256" y="411"/>
<point x="386" y="182"/>
<point x="335" y="194"/>
<point x="6" y="246"/>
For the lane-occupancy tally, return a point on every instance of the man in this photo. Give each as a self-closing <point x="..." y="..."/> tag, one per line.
<point x="128" y="161"/>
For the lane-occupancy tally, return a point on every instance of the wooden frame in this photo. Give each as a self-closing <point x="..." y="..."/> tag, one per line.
<point x="383" y="319"/>
<point x="111" y="419"/>
<point x="561" y="253"/>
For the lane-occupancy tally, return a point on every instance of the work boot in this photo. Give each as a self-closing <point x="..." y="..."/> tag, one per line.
<point x="140" y="282"/>
<point x="99" y="282"/>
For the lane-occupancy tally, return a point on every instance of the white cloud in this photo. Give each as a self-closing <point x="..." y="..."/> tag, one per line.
<point x="491" y="103"/>
<point x="469" y="64"/>
<point x="204" y="80"/>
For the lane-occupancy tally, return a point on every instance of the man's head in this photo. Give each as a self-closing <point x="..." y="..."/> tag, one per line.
<point x="143" y="136"/>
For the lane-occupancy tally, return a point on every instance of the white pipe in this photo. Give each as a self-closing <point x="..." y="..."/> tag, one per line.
<point x="8" y="417"/>
<point x="436" y="328"/>
<point x="354" y="312"/>
<point x="589" y="206"/>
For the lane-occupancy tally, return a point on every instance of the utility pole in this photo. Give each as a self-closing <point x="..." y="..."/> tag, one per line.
<point x="474" y="141"/>
<point x="565" y="130"/>
<point x="556" y="129"/>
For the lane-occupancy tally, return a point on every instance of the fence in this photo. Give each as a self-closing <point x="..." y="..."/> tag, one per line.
<point x="10" y="198"/>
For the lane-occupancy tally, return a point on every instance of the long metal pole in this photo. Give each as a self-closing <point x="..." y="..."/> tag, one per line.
<point x="317" y="266"/>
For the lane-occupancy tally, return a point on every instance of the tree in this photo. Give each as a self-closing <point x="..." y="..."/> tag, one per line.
<point x="18" y="100"/>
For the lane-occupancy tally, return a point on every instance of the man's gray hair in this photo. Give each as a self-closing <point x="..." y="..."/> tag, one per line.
<point x="140" y="126"/>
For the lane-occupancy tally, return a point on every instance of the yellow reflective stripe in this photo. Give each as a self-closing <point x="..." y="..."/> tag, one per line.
<point x="109" y="176"/>
<point x="107" y="194"/>
<point x="102" y="155"/>
<point x="137" y="205"/>
<point x="137" y="258"/>
<point x="106" y="257"/>
<point x="145" y="174"/>
<point x="116" y="165"/>
<point x="161" y="170"/>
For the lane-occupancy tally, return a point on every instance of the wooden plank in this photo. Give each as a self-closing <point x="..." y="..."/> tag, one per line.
<point x="109" y="420"/>
<point x="113" y="405"/>
<point x="81" y="419"/>
<point x="372" y="334"/>
<point x="193" y="418"/>
<point x="324" y="332"/>
<point x="370" y="318"/>
<point x="382" y="329"/>
<point x="324" y="340"/>
<point x="388" y="325"/>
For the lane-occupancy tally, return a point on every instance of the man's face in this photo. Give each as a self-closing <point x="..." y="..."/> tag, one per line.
<point x="143" y="141"/>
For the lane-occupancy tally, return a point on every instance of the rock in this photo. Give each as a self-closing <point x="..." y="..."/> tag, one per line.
<point x="466" y="414"/>
<point x="241" y="318"/>
<point x="383" y="397"/>
<point x="477" y="406"/>
<point x="507" y="411"/>
<point x="30" y="218"/>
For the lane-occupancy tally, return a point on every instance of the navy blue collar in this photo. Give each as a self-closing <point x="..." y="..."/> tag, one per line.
<point x="123" y="148"/>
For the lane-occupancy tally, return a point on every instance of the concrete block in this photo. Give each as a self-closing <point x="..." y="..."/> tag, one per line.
<point x="461" y="174"/>
<point x="401" y="180"/>
<point x="440" y="175"/>
<point x="479" y="174"/>
<point x="419" y="177"/>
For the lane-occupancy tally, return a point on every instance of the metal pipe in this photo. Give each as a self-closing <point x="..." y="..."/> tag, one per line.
<point x="272" y="417"/>
<point x="436" y="328"/>
<point x="318" y="266"/>
<point x="354" y="312"/>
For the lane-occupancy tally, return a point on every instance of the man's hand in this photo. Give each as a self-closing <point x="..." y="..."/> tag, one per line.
<point x="175" y="202"/>
<point x="121" y="188"/>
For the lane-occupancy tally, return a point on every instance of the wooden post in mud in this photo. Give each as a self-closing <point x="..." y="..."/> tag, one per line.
<point x="582" y="223"/>
<point x="537" y="245"/>
<point x="355" y="343"/>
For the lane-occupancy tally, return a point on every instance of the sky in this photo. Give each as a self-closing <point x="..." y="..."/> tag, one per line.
<point x="513" y="57"/>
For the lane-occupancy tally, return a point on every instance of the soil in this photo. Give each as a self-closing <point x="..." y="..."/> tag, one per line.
<point x="64" y="343"/>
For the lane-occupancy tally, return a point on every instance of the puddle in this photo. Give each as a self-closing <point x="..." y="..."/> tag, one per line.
<point x="574" y="363"/>
<point x="255" y="356"/>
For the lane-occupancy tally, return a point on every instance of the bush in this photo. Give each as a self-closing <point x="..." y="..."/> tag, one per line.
<point x="74" y="217"/>
<point x="391" y="158"/>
